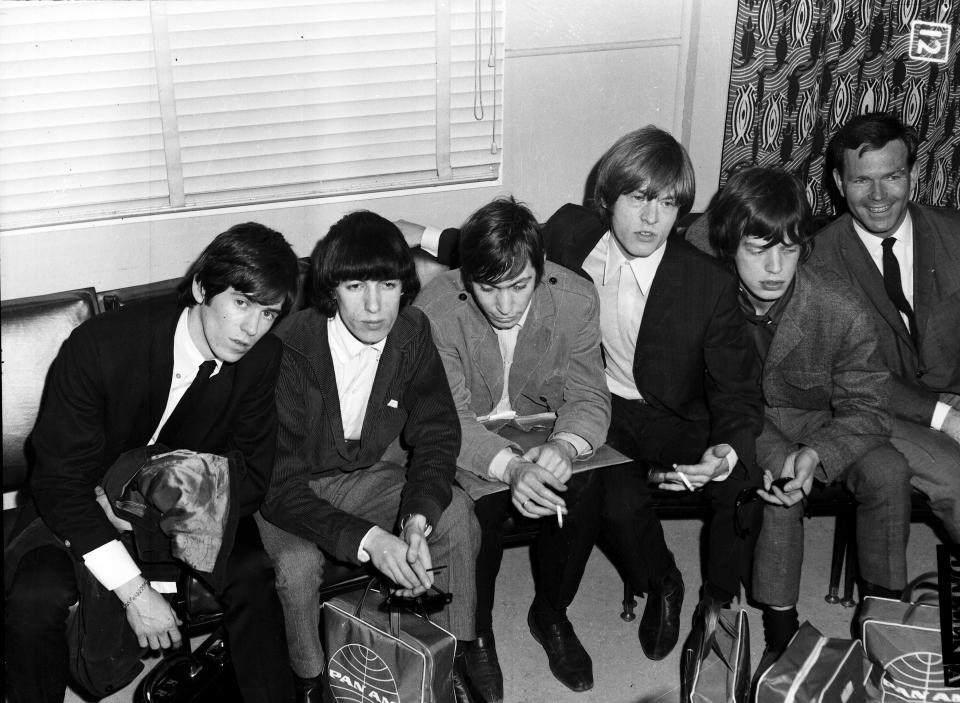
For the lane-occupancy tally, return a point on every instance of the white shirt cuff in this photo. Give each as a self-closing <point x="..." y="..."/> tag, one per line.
<point x="430" y="242"/>
<point x="363" y="556"/>
<point x="939" y="415"/>
<point x="579" y="443"/>
<point x="732" y="459"/>
<point x="498" y="465"/>
<point x="111" y="564"/>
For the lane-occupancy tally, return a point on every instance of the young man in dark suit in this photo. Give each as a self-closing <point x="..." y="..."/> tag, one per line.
<point x="904" y="260"/>
<point x="519" y="336"/>
<point x="360" y="375"/>
<point x="679" y="366"/>
<point x="112" y="388"/>
<point x="825" y="393"/>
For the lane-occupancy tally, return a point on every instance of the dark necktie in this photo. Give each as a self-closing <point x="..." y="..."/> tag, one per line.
<point x="893" y="285"/>
<point x="186" y="405"/>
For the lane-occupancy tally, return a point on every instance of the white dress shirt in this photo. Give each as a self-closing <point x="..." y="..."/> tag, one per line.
<point x="355" y="367"/>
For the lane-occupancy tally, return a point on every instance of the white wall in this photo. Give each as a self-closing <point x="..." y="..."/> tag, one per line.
<point x="578" y="75"/>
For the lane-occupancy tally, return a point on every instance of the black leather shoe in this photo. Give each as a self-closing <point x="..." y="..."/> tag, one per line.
<point x="461" y="692"/>
<point x="484" y="676"/>
<point x="569" y="661"/>
<point x="660" y="624"/>
<point x="308" y="690"/>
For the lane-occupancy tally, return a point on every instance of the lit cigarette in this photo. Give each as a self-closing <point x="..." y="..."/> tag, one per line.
<point x="559" y="517"/>
<point x="683" y="477"/>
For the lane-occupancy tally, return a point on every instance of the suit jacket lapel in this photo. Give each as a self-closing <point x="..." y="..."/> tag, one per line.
<point x="322" y="364"/>
<point x="866" y="272"/>
<point x="534" y="339"/>
<point x="789" y="330"/>
<point x="159" y="377"/>
<point x="664" y="293"/>
<point x="485" y="350"/>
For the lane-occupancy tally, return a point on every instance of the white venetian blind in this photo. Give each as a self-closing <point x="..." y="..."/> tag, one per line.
<point x="124" y="108"/>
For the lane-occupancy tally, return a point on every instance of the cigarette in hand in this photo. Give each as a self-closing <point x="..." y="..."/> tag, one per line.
<point x="683" y="477"/>
<point x="559" y="517"/>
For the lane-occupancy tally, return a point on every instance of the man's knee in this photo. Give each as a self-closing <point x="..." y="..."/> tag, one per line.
<point x="43" y="587"/>
<point x="881" y="474"/>
<point x="459" y="522"/>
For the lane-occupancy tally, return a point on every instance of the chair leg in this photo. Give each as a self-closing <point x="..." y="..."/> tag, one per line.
<point x="836" y="562"/>
<point x="851" y="574"/>
<point x="629" y="603"/>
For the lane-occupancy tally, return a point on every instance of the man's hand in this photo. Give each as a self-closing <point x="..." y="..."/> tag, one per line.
<point x="556" y="456"/>
<point x="405" y="559"/>
<point x="411" y="231"/>
<point x="150" y="615"/>
<point x="712" y="464"/>
<point x="530" y="486"/>
<point x="121" y="525"/>
<point x="951" y="425"/>
<point x="798" y="467"/>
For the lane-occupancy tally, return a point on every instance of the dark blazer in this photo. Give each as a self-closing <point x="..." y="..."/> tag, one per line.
<point x="105" y="394"/>
<point x="410" y="400"/>
<point x="694" y="358"/>
<point x="823" y="357"/>
<point x="919" y="374"/>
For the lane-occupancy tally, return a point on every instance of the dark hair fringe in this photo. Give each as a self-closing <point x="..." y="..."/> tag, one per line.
<point x="361" y="246"/>
<point x="250" y="258"/>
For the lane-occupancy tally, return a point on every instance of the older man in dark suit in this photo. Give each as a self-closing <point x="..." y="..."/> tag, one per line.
<point x="679" y="365"/>
<point x="904" y="260"/>
<point x="824" y="391"/>
<point x="117" y="384"/>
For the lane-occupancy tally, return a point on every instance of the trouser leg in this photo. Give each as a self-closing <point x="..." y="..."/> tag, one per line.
<point x="730" y="551"/>
<point x="880" y="481"/>
<point x="254" y="620"/>
<point x="35" y="614"/>
<point x="562" y="552"/>
<point x="299" y="571"/>
<point x="491" y="511"/>
<point x="934" y="461"/>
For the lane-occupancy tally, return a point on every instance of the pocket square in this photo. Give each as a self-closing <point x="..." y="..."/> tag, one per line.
<point x="392" y="404"/>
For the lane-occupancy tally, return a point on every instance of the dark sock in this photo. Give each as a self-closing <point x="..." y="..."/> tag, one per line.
<point x="546" y="614"/>
<point x="779" y="626"/>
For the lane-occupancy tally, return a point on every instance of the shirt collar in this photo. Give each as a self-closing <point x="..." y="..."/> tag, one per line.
<point x="774" y="313"/>
<point x="644" y="267"/>
<point x="186" y="357"/>
<point x="344" y="345"/>
<point x="873" y="243"/>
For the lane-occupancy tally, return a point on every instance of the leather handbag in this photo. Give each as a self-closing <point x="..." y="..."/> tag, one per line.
<point x="379" y="653"/>
<point x="715" y="662"/>
<point x="814" y="668"/>
<point x="902" y="640"/>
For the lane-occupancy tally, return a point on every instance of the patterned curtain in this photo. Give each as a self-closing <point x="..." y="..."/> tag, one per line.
<point x="802" y="68"/>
